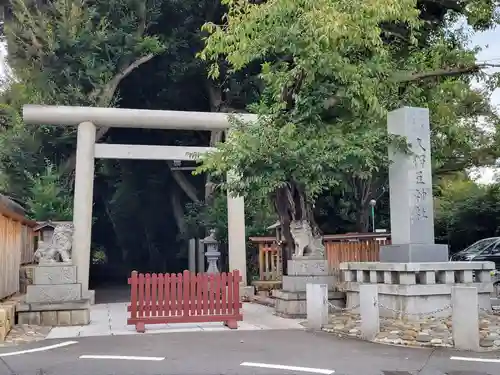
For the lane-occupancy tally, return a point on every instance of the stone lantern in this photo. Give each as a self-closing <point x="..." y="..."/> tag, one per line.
<point x="212" y="252"/>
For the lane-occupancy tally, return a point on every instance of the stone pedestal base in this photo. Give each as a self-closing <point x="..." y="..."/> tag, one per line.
<point x="53" y="293"/>
<point x="75" y="313"/>
<point x="7" y="317"/>
<point x="414" y="253"/>
<point x="265" y="287"/>
<point x="54" y="282"/>
<point x="246" y="292"/>
<point x="293" y="305"/>
<point x="90" y="295"/>
<point x="54" y="298"/>
<point x="408" y="289"/>
<point x="291" y="301"/>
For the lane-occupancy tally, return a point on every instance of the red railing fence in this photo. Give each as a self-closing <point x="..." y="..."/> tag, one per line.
<point x="184" y="298"/>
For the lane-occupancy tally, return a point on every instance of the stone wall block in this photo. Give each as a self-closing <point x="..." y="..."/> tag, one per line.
<point x="80" y="317"/>
<point x="465" y="276"/>
<point x="407" y="278"/>
<point x="446" y="277"/>
<point x="64" y="318"/>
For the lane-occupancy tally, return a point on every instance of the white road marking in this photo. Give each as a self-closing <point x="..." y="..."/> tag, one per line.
<point x="123" y="357"/>
<point x="291" y="368"/>
<point x="42" y="349"/>
<point x="469" y="359"/>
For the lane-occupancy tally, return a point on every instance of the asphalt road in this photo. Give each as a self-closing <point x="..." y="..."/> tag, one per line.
<point x="222" y="353"/>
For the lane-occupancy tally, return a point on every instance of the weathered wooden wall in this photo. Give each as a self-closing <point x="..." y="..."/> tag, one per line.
<point x="354" y="247"/>
<point x="16" y="248"/>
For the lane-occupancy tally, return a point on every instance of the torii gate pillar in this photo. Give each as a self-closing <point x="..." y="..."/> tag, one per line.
<point x="82" y="204"/>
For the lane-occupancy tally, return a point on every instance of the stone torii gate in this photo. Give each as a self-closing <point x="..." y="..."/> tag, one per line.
<point x="88" y="119"/>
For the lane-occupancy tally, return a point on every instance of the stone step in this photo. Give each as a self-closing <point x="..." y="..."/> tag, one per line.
<point x="53" y="293"/>
<point x="297" y="309"/>
<point x="69" y="305"/>
<point x="298" y="283"/>
<point x="52" y="274"/>
<point x="301" y="296"/>
<point x="55" y="318"/>
<point x="265" y="301"/>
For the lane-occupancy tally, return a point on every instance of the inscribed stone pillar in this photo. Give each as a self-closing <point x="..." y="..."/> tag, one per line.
<point x="317" y="305"/>
<point x="369" y="311"/>
<point x="465" y="318"/>
<point x="411" y="200"/>
<point x="82" y="206"/>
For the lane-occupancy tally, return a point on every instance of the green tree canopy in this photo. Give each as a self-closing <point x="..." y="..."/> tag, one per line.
<point x="467" y="212"/>
<point x="332" y="70"/>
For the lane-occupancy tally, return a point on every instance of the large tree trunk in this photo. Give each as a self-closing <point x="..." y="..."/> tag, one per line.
<point x="301" y="232"/>
<point x="181" y="180"/>
<point x="177" y="209"/>
<point x="363" y="218"/>
<point x="361" y="191"/>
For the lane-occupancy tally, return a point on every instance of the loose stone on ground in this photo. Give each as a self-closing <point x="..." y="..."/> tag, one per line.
<point x="25" y="333"/>
<point x="426" y="332"/>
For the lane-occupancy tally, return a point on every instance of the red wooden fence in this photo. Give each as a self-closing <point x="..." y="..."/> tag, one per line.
<point x="184" y="298"/>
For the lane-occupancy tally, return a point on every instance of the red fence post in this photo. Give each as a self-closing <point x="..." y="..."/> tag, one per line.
<point x="166" y="295"/>
<point x="179" y="295"/>
<point x="140" y="325"/>
<point x="154" y="298"/>
<point x="161" y="299"/>
<point x="211" y="293"/>
<point x="217" y="290"/>
<point x="132" y="281"/>
<point x="147" y="300"/>
<point x="192" y="294"/>
<point x="224" y="293"/>
<point x="236" y="299"/>
<point x="173" y="294"/>
<point x="230" y="293"/>
<point x="233" y="300"/>
<point x="199" y="294"/>
<point x="185" y="295"/>
<point x="205" y="294"/>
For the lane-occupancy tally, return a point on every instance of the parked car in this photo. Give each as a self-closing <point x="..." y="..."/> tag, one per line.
<point x="486" y="250"/>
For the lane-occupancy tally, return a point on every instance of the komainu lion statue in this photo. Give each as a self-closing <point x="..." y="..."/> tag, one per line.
<point x="59" y="248"/>
<point x="307" y="242"/>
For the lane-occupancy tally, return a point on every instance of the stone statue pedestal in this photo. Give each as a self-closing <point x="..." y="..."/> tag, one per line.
<point x="55" y="298"/>
<point x="291" y="300"/>
<point x="414" y="253"/>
